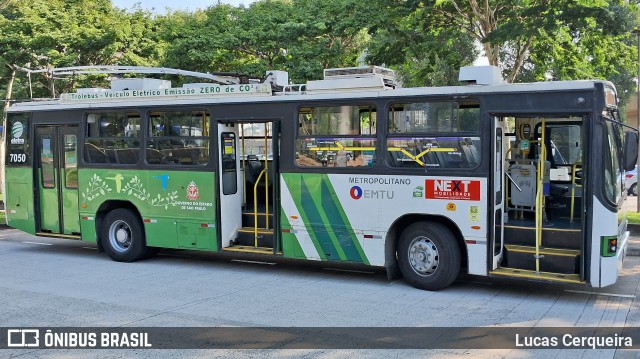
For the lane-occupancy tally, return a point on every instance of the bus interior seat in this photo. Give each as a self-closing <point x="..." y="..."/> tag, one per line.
<point x="111" y="154"/>
<point x="470" y="151"/>
<point x="127" y="155"/>
<point x="93" y="154"/>
<point x="154" y="156"/>
<point x="253" y="167"/>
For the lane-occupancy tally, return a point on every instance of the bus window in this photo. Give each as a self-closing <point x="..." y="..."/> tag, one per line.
<point x="46" y="161"/>
<point x="612" y="167"/>
<point x="112" y="138"/>
<point x="428" y="135"/>
<point x="336" y="136"/>
<point x="70" y="162"/>
<point x="178" y="138"/>
<point x="566" y="144"/>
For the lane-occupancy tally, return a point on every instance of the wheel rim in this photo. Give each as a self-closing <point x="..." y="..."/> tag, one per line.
<point x="423" y="256"/>
<point x="120" y="236"/>
<point x="634" y="190"/>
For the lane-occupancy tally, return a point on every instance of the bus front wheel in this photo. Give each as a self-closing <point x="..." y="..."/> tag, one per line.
<point x="122" y="236"/>
<point x="428" y="256"/>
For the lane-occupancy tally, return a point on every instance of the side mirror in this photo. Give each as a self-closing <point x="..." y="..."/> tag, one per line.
<point x="630" y="154"/>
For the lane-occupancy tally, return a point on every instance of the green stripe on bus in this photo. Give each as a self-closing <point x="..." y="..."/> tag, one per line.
<point x="294" y="183"/>
<point x="317" y="226"/>
<point x="337" y="219"/>
<point x="290" y="245"/>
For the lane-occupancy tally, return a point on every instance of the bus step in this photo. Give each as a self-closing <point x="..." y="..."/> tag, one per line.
<point x="552" y="260"/>
<point x="58" y="235"/>
<point x="551" y="237"/>
<point x="246" y="237"/>
<point x="248" y="219"/>
<point x="541" y="276"/>
<point x="249" y="249"/>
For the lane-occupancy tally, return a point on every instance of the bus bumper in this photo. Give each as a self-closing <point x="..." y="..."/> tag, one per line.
<point x="609" y="271"/>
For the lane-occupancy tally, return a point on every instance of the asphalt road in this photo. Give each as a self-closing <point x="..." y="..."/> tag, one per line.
<point x="65" y="283"/>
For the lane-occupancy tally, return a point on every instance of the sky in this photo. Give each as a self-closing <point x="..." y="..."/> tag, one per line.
<point x="159" y="6"/>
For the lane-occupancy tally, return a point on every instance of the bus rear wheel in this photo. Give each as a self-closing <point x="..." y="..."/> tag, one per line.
<point x="428" y="256"/>
<point x="122" y="236"/>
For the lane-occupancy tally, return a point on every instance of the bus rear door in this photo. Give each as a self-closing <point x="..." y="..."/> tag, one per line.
<point x="57" y="179"/>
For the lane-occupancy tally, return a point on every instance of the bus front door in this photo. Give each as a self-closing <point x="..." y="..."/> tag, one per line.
<point x="57" y="179"/>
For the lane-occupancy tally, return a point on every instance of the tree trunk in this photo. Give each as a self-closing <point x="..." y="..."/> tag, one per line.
<point x="4" y="123"/>
<point x="9" y="92"/>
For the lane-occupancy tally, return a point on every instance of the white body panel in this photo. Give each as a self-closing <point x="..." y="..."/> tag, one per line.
<point x="605" y="270"/>
<point x="379" y="201"/>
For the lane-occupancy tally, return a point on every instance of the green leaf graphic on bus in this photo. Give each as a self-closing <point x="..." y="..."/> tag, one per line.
<point x="134" y="187"/>
<point x="96" y="187"/>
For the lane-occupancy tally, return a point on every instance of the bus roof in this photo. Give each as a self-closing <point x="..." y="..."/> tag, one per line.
<point x="210" y="94"/>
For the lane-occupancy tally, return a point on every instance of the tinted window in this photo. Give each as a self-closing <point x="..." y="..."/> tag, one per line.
<point x="178" y="138"/>
<point x="434" y="135"/>
<point x="336" y="136"/>
<point x="112" y="138"/>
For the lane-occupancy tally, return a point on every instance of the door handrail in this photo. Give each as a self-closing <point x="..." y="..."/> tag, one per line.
<point x="255" y="208"/>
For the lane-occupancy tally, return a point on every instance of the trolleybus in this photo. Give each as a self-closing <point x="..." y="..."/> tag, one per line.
<point x="486" y="178"/>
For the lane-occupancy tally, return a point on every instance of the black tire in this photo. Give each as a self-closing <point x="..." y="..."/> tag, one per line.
<point x="428" y="256"/>
<point x="633" y="190"/>
<point x="122" y="236"/>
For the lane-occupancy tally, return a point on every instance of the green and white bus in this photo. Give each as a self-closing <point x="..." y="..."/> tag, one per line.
<point x="487" y="178"/>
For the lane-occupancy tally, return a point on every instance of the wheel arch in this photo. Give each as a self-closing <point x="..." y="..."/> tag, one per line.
<point x="108" y="206"/>
<point x="396" y="228"/>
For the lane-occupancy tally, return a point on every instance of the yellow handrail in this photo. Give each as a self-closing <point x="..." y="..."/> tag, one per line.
<point x="244" y="168"/>
<point x="539" y="195"/>
<point x="266" y="176"/>
<point x="574" y="169"/>
<point x="255" y="209"/>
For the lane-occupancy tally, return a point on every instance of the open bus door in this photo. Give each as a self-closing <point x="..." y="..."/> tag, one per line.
<point x="230" y="191"/>
<point x="57" y="179"/>
<point x="248" y="168"/>
<point x="497" y="237"/>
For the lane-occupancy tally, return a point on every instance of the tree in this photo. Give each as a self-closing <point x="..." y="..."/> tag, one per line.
<point x="426" y="52"/>
<point x="302" y="37"/>
<point x="331" y="33"/>
<point x="528" y="39"/>
<point x="197" y="41"/>
<point x="55" y="33"/>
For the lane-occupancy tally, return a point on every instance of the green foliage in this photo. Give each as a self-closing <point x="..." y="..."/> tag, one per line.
<point x="300" y="36"/>
<point x="54" y="33"/>
<point x="425" y="40"/>
<point x="530" y="40"/>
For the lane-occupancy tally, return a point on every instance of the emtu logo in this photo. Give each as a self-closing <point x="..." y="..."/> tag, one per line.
<point x="17" y="130"/>
<point x="356" y="192"/>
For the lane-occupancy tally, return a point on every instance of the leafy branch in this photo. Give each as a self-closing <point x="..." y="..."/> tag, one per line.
<point x="134" y="187"/>
<point x="169" y="200"/>
<point x="97" y="187"/>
